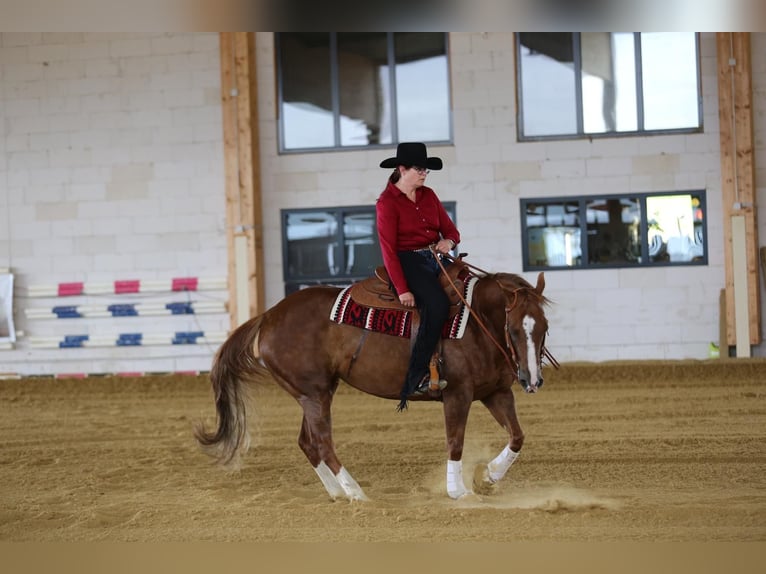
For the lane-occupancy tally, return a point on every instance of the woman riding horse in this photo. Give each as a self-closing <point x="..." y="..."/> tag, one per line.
<point x="296" y="344"/>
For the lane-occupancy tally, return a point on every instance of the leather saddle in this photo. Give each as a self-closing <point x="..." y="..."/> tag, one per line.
<point x="377" y="291"/>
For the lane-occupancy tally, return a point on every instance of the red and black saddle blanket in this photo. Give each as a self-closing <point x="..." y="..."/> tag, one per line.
<point x="396" y="322"/>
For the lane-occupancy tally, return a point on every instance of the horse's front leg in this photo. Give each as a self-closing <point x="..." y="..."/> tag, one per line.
<point x="502" y="405"/>
<point x="456" y="407"/>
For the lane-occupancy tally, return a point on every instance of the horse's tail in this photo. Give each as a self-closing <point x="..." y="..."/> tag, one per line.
<point x="234" y="366"/>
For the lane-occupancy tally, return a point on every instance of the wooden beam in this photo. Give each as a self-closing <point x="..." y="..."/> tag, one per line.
<point x="244" y="218"/>
<point x="735" y="112"/>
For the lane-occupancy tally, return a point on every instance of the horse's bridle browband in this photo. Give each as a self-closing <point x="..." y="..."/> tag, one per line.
<point x="513" y="359"/>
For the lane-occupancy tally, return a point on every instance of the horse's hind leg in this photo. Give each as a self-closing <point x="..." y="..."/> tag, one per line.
<point x="331" y="484"/>
<point x="316" y="443"/>
<point x="502" y="405"/>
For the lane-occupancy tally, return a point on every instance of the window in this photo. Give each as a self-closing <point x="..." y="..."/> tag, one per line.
<point x="614" y="231"/>
<point x="332" y="246"/>
<point x="607" y="83"/>
<point x="346" y="90"/>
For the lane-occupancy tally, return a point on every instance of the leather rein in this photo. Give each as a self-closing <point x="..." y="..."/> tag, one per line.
<point x="512" y="360"/>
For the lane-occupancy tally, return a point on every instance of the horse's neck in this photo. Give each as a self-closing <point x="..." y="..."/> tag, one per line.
<point x="489" y="299"/>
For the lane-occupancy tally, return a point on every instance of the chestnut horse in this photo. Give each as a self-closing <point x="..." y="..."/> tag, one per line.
<point x="296" y="344"/>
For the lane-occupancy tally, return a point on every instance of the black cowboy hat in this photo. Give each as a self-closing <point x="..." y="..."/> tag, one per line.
<point x="412" y="153"/>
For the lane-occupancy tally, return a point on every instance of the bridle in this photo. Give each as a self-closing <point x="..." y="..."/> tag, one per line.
<point x="544" y="352"/>
<point x="512" y="359"/>
<point x="508" y="309"/>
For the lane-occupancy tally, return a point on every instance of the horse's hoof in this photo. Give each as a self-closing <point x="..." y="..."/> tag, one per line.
<point x="482" y="482"/>
<point x="468" y="496"/>
<point x="458" y="494"/>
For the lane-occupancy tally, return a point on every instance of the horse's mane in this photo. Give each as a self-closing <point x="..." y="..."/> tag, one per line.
<point x="513" y="282"/>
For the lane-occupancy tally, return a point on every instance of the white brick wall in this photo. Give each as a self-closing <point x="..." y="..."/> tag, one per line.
<point x="111" y="168"/>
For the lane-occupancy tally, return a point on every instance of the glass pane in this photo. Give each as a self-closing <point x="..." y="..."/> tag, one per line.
<point x="548" y="95"/>
<point x="307" y="118"/>
<point x="312" y="245"/>
<point x="608" y="82"/>
<point x="675" y="228"/>
<point x="613" y="231"/>
<point x="422" y="87"/>
<point x="364" y="88"/>
<point x="553" y="234"/>
<point x="669" y="69"/>
<point x="361" y="244"/>
<point x="449" y="207"/>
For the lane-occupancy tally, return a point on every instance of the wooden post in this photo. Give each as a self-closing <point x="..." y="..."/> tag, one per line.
<point x="244" y="218"/>
<point x="723" y="345"/>
<point x="735" y="111"/>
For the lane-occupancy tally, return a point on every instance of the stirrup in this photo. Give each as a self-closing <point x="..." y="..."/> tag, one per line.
<point x="436" y="385"/>
<point x="428" y="385"/>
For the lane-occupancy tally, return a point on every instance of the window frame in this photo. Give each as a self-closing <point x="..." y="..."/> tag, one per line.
<point x="335" y="91"/>
<point x="582" y="201"/>
<point x="581" y="134"/>
<point x="292" y="283"/>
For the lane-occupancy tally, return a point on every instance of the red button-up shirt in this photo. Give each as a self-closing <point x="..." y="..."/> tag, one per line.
<point x="405" y="226"/>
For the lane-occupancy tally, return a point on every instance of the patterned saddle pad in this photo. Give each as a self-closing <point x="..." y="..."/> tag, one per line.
<point x="396" y="322"/>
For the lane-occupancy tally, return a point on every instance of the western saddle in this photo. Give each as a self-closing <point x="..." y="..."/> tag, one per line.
<point x="377" y="291"/>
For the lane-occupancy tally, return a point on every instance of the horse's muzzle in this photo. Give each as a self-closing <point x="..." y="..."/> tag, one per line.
<point x="527" y="385"/>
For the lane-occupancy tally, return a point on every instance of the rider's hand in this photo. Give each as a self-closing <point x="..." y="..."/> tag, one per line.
<point x="444" y="245"/>
<point x="407" y="299"/>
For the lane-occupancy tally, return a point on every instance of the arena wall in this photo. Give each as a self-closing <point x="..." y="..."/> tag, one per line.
<point x="111" y="169"/>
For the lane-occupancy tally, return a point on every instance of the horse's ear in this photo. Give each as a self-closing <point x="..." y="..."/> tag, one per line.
<point x="540" y="283"/>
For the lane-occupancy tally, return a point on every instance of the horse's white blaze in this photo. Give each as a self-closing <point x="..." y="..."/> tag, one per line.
<point x="497" y="468"/>
<point x="331" y="484"/>
<point x="455" y="485"/>
<point x="529" y="324"/>
<point x="351" y="488"/>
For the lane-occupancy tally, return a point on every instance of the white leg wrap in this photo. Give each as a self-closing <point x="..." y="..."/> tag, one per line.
<point x="497" y="468"/>
<point x="331" y="484"/>
<point x="350" y="487"/>
<point x="455" y="485"/>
